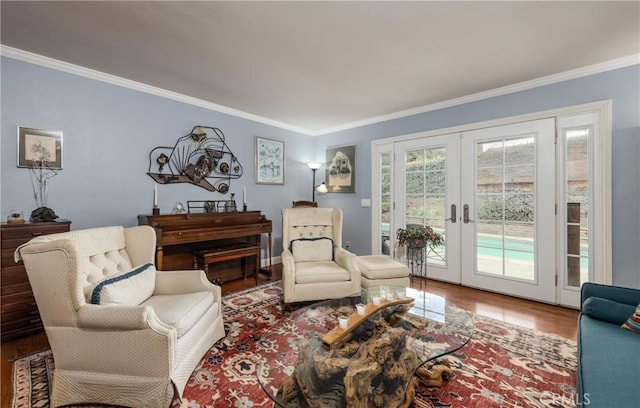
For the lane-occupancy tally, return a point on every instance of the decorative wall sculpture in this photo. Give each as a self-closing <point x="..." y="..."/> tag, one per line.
<point x="201" y="158"/>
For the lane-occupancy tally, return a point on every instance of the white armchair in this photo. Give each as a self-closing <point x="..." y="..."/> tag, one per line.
<point x="314" y="264"/>
<point x="120" y="332"/>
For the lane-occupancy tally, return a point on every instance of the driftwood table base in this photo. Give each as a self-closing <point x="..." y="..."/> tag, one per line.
<point x="433" y="374"/>
<point x="375" y="366"/>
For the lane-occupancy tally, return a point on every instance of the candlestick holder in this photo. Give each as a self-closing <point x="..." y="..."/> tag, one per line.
<point x="156" y="210"/>
<point x="244" y="207"/>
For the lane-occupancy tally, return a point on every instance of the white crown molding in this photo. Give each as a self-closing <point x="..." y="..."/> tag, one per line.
<point x="41" y="60"/>
<point x="138" y="86"/>
<point x="522" y="86"/>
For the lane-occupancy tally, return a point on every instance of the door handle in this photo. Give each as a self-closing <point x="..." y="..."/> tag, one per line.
<point x="465" y="214"/>
<point x="453" y="214"/>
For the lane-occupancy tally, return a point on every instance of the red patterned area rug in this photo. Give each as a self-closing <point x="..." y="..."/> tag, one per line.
<point x="503" y="365"/>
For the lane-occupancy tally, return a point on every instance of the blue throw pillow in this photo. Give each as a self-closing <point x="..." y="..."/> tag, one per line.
<point x="607" y="310"/>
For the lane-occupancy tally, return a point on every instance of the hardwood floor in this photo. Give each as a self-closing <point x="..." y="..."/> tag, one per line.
<point x="538" y="316"/>
<point x="546" y="318"/>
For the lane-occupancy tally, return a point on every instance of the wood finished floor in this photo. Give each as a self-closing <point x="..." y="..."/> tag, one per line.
<point x="543" y="317"/>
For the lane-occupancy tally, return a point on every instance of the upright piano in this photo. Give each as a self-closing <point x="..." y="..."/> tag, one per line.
<point x="182" y="237"/>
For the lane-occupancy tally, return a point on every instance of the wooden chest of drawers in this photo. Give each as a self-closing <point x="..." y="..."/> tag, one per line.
<point x="19" y="314"/>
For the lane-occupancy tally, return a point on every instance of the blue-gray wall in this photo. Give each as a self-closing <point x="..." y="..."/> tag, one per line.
<point x="109" y="131"/>
<point x="622" y="86"/>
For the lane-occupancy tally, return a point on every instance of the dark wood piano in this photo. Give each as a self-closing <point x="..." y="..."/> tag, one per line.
<point x="215" y="242"/>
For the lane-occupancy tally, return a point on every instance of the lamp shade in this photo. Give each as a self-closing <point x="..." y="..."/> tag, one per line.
<point x="314" y="165"/>
<point x="322" y="188"/>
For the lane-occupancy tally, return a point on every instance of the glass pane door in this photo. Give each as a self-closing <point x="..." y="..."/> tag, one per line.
<point x="576" y="197"/>
<point x="382" y="204"/>
<point x="505" y="216"/>
<point x="425" y="200"/>
<point x="532" y="207"/>
<point x="508" y="199"/>
<point x="386" y="241"/>
<point x="576" y="138"/>
<point x="428" y="185"/>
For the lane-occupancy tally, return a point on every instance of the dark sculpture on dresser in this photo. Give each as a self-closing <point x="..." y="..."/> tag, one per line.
<point x="43" y="214"/>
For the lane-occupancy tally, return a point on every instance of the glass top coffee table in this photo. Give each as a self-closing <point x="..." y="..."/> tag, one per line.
<point x="310" y="361"/>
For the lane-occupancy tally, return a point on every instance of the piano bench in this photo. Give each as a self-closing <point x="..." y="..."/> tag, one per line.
<point x="202" y="258"/>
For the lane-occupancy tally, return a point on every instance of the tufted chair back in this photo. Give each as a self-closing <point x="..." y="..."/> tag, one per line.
<point x="310" y="271"/>
<point x="90" y="255"/>
<point x="309" y="222"/>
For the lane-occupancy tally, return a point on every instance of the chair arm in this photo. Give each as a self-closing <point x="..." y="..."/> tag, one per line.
<point x="188" y="281"/>
<point x="287" y="260"/>
<point x="120" y="317"/>
<point x="345" y="258"/>
<point x="348" y="261"/>
<point x="288" y="274"/>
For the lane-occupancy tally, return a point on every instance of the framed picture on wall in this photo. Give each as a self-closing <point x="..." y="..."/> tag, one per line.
<point x="341" y="169"/>
<point x="269" y="161"/>
<point x="39" y="148"/>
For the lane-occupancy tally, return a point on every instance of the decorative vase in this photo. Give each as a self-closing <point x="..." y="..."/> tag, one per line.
<point x="40" y="175"/>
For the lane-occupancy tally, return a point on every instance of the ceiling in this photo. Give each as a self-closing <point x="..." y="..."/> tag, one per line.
<point x="321" y="66"/>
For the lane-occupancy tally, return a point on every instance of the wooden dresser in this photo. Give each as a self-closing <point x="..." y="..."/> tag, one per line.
<point x="19" y="313"/>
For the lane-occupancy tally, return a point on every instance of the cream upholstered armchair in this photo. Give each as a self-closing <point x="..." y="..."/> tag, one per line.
<point x="314" y="264"/>
<point x="120" y="332"/>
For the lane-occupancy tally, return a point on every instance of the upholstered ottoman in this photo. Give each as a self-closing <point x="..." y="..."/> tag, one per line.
<point x="377" y="270"/>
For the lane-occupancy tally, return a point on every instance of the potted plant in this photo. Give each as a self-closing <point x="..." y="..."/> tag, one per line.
<point x="419" y="236"/>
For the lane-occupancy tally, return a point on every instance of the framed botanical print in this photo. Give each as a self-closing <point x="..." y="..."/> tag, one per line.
<point x="39" y="148"/>
<point x="341" y="169"/>
<point x="269" y="161"/>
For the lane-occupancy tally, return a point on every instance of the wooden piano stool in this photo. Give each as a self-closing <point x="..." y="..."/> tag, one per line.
<point x="203" y="258"/>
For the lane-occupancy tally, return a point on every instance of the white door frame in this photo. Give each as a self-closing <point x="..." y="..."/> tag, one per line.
<point x="600" y="195"/>
<point x="602" y="249"/>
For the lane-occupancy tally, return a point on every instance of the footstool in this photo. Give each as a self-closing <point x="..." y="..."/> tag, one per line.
<point x="378" y="270"/>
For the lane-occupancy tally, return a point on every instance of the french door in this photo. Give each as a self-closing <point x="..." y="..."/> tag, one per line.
<point x="524" y="203"/>
<point x="427" y="184"/>
<point x="490" y="192"/>
<point x="508" y="209"/>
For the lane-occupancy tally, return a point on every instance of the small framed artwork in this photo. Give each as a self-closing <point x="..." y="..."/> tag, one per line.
<point x="269" y="161"/>
<point x="341" y="169"/>
<point x="39" y="148"/>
